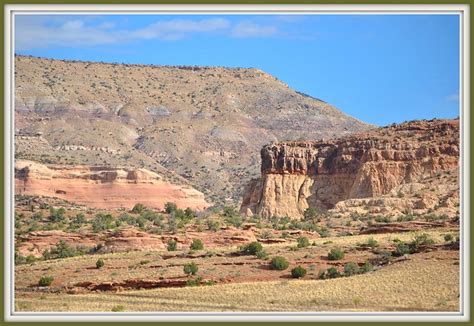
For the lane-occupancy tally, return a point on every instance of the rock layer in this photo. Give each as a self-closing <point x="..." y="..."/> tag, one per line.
<point x="298" y="175"/>
<point x="102" y="187"/>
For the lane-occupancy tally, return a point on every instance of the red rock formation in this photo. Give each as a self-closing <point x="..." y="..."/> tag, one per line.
<point x="297" y="175"/>
<point x="102" y="187"/>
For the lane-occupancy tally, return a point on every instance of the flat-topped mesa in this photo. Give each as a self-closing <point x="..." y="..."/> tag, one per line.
<point x="298" y="175"/>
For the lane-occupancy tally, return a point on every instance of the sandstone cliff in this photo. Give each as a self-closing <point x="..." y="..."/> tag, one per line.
<point x="298" y="175"/>
<point x="102" y="187"/>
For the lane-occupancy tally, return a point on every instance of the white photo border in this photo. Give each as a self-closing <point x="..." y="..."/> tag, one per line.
<point x="184" y="9"/>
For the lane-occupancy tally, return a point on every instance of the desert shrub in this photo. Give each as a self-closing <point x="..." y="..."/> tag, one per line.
<point x="262" y="254"/>
<point x="303" y="242"/>
<point x="383" y="219"/>
<point x="197" y="245"/>
<point x="102" y="222"/>
<point x="99" y="263"/>
<point x="78" y="221"/>
<point x="311" y="213"/>
<point x="298" y="272"/>
<point x="37" y="216"/>
<point x="351" y="268"/>
<point x="279" y="263"/>
<point x="323" y="232"/>
<point x="448" y="237"/>
<point x="62" y="250"/>
<point x="421" y="240"/>
<point x="30" y="259"/>
<point x="331" y="272"/>
<point x="336" y="254"/>
<point x="194" y="282"/>
<point x="45" y="280"/>
<point x="172" y="245"/>
<point x="170" y="207"/>
<point x="19" y="259"/>
<point x="251" y="248"/>
<point x="367" y="267"/>
<point x="190" y="269"/>
<point x="401" y="249"/>
<point x="266" y="234"/>
<point x="213" y="225"/>
<point x="152" y="216"/>
<point x="371" y="243"/>
<point x="138" y="208"/>
<point x="405" y="218"/>
<point x="189" y="213"/>
<point x="232" y="216"/>
<point x="57" y="215"/>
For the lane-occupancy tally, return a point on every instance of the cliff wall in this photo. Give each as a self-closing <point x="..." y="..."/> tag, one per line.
<point x="298" y="175"/>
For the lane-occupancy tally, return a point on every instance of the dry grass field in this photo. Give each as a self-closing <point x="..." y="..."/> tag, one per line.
<point x="423" y="283"/>
<point x="427" y="281"/>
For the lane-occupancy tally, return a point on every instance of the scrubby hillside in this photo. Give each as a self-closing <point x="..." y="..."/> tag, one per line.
<point x="194" y="125"/>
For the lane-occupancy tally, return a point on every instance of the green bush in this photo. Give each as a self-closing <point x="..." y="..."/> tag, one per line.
<point x="213" y="225"/>
<point x="336" y="254"/>
<point x="190" y="269"/>
<point x="367" y="267"/>
<point x="170" y="207"/>
<point x="331" y="272"/>
<point x="311" y="213"/>
<point x="351" y="268"/>
<point x="279" y="263"/>
<point x="45" y="280"/>
<point x="421" y="240"/>
<point x="303" y="242"/>
<point x="252" y="248"/>
<point x="99" y="263"/>
<point x="262" y="254"/>
<point x="448" y="237"/>
<point x="197" y="245"/>
<point x="102" y="222"/>
<point x="402" y="249"/>
<point x="138" y="208"/>
<point x="371" y="243"/>
<point x="383" y="219"/>
<point x="57" y="215"/>
<point x="298" y="272"/>
<point x="172" y="245"/>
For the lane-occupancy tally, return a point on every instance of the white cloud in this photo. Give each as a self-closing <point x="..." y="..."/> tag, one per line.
<point x="249" y="29"/>
<point x="37" y="33"/>
<point x="85" y="31"/>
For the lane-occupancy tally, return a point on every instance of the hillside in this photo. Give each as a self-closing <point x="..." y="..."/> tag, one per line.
<point x="199" y="126"/>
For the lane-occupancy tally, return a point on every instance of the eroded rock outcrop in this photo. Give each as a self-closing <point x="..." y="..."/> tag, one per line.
<point x="103" y="187"/>
<point x="298" y="175"/>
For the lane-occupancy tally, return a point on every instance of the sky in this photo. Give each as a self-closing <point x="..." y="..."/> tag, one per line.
<point x="380" y="69"/>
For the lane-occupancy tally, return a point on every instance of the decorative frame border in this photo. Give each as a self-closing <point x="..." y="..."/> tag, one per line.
<point x="10" y="10"/>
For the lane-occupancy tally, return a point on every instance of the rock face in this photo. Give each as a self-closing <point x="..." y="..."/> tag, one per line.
<point x="102" y="187"/>
<point x="193" y="125"/>
<point x="298" y="175"/>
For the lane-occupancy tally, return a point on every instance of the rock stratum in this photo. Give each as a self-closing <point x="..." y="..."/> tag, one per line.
<point x="103" y="187"/>
<point x="197" y="126"/>
<point x="399" y="169"/>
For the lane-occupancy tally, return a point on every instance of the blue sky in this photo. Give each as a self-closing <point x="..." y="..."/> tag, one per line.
<point x="378" y="68"/>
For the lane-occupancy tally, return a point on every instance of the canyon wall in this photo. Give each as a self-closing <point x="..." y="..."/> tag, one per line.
<point x="103" y="187"/>
<point x="298" y="175"/>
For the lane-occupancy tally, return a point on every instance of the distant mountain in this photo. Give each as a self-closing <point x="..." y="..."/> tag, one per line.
<point x="201" y="126"/>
